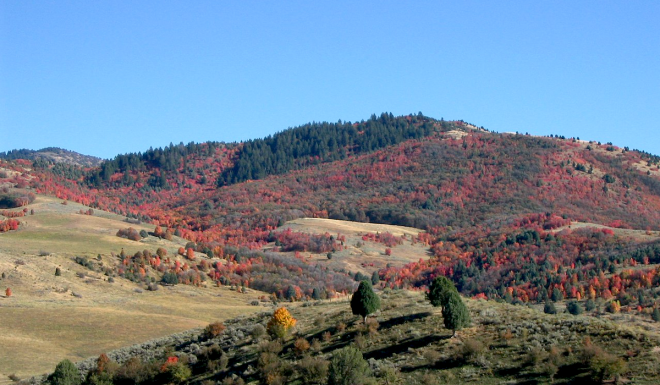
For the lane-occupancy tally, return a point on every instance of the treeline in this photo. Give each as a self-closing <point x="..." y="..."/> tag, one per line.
<point x="160" y="162"/>
<point x="315" y="143"/>
<point x="25" y="153"/>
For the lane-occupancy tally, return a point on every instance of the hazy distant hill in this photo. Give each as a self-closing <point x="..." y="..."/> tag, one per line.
<point x="55" y="155"/>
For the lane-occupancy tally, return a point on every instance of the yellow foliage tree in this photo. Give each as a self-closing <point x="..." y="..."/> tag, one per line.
<point x="281" y="323"/>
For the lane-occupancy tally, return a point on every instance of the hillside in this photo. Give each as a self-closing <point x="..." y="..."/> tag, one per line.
<point x="406" y="343"/>
<point x="84" y="312"/>
<point x="306" y="213"/>
<point x="53" y="155"/>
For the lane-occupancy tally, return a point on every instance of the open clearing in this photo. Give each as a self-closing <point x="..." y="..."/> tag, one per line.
<point x="641" y="235"/>
<point x="360" y="255"/>
<point x="80" y="313"/>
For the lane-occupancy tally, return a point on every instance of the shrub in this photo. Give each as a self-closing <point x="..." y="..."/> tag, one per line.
<point x="590" y="305"/>
<point x="613" y="307"/>
<point x="177" y="373"/>
<point x="66" y="373"/>
<point x="58" y="272"/>
<point x="549" y="308"/>
<point x="372" y="327"/>
<point x="348" y="367"/>
<point x="574" y="308"/>
<point x="134" y="371"/>
<point x="258" y="331"/>
<point x="170" y="278"/>
<point x="129" y="233"/>
<point x="214" y="329"/>
<point x="301" y="346"/>
<point x="472" y="349"/>
<point x="274" y="347"/>
<point x="313" y="370"/>
<point x="273" y="369"/>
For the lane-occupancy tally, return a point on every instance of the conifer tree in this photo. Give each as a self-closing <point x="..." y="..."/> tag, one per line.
<point x="440" y="291"/>
<point x="364" y="301"/>
<point x="66" y="373"/>
<point x="454" y="313"/>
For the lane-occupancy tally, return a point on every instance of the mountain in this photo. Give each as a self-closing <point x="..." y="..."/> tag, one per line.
<point x="508" y="217"/>
<point x="53" y="155"/>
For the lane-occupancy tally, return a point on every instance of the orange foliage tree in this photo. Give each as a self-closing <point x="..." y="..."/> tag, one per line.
<point x="281" y="323"/>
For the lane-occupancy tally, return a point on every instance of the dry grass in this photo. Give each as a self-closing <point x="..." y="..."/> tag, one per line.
<point x="360" y="258"/>
<point x="49" y="318"/>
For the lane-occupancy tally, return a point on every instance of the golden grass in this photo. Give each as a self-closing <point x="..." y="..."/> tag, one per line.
<point x="363" y="256"/>
<point x="43" y="322"/>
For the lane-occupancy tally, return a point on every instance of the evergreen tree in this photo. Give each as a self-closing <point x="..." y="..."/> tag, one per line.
<point x="590" y="304"/>
<point x="364" y="301"/>
<point x="440" y="290"/>
<point x="549" y="308"/>
<point x="454" y="313"/>
<point x="656" y="315"/>
<point x="66" y="373"/>
<point x="557" y="295"/>
<point x="574" y="308"/>
<point x="374" y="278"/>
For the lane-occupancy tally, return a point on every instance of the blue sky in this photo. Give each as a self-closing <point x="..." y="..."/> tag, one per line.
<point x="110" y="77"/>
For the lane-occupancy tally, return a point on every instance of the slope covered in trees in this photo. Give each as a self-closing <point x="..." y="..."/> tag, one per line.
<point x="450" y="179"/>
<point x="315" y="143"/>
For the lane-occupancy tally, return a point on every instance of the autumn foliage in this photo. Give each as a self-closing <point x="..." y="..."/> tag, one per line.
<point x="281" y="323"/>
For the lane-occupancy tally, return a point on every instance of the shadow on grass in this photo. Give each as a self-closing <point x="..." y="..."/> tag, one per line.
<point x="404" y="346"/>
<point x="404" y="319"/>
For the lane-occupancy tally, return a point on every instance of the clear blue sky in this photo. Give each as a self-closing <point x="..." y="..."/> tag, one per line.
<point x="110" y="77"/>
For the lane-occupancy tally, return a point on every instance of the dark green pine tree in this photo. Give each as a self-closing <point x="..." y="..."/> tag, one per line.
<point x="455" y="313"/>
<point x="66" y="373"/>
<point x="440" y="291"/>
<point x="656" y="315"/>
<point x="364" y="301"/>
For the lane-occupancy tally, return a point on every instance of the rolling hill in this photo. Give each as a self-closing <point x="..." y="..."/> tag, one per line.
<point x="305" y="213"/>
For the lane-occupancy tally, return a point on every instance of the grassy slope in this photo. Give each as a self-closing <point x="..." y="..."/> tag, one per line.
<point x="365" y="257"/>
<point x="504" y="344"/>
<point x="43" y="322"/>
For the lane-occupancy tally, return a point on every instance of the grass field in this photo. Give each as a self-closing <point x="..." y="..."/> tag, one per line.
<point x="359" y="255"/>
<point x="80" y="313"/>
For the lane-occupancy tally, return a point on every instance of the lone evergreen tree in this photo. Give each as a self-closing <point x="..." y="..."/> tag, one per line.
<point x="364" y="301"/>
<point x="454" y="313"/>
<point x="656" y="315"/>
<point x="66" y="373"/>
<point x="549" y="308"/>
<point x="440" y="291"/>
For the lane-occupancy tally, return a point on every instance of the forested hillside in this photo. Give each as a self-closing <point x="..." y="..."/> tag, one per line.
<point x="451" y="179"/>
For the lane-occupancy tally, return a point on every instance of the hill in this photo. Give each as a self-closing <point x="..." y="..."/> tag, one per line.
<point x="405" y="342"/>
<point x="84" y="312"/>
<point x="307" y="212"/>
<point x="53" y="155"/>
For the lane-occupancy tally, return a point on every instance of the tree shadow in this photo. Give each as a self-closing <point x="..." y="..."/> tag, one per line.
<point x="404" y="346"/>
<point x="404" y="319"/>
